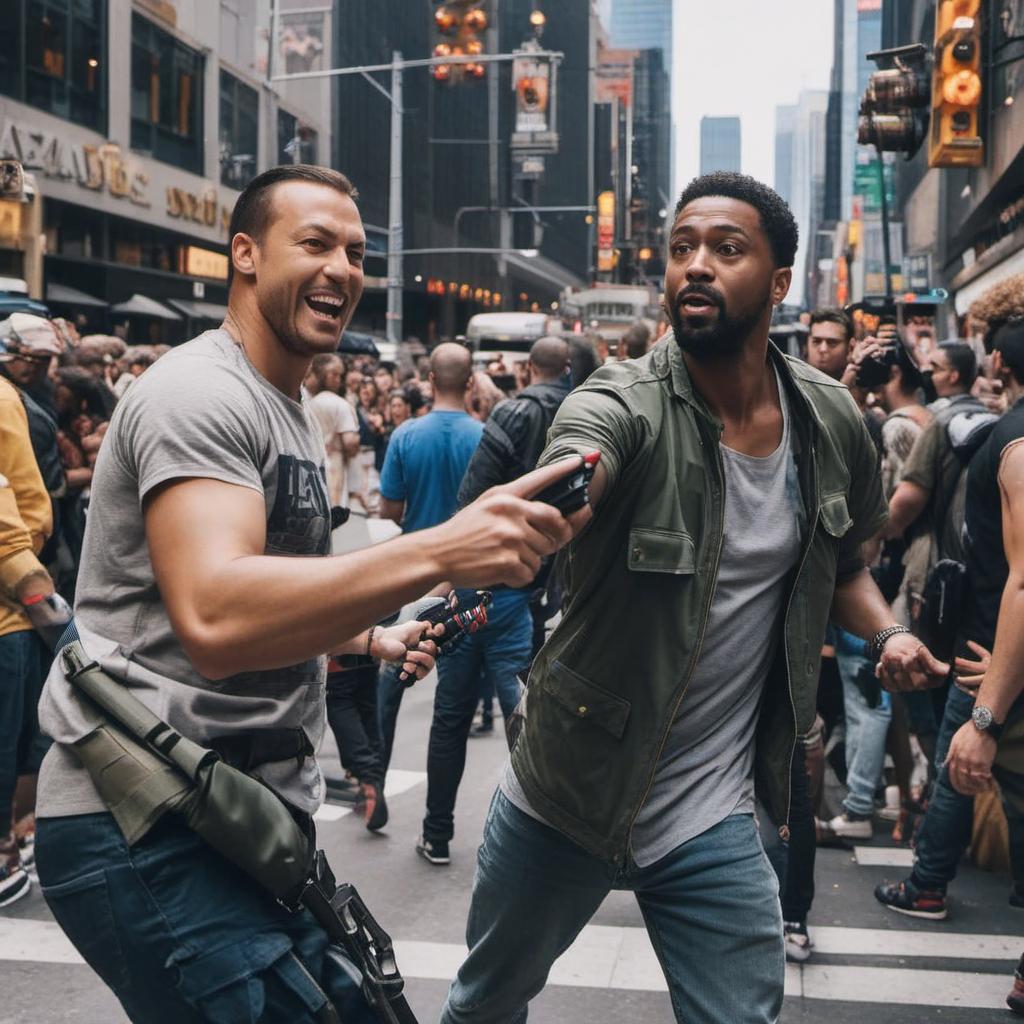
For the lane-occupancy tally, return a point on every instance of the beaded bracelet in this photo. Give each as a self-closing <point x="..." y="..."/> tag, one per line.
<point x="879" y="640"/>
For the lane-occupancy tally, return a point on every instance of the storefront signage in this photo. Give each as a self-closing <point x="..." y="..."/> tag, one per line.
<point x="105" y="168"/>
<point x="94" y="167"/>
<point x="10" y="222"/>
<point x="201" y="262"/>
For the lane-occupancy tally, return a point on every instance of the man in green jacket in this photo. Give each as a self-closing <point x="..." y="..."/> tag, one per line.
<point x="734" y="490"/>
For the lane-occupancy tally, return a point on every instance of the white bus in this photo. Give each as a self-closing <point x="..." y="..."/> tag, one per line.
<point x="507" y="337"/>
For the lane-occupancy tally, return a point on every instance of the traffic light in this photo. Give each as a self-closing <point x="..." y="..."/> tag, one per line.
<point x="893" y="115"/>
<point x="956" y="86"/>
<point x="461" y="24"/>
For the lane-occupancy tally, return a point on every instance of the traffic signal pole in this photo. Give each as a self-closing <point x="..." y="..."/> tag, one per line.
<point x="886" y="241"/>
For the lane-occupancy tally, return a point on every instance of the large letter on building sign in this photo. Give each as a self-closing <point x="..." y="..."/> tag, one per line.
<point x="956" y="86"/>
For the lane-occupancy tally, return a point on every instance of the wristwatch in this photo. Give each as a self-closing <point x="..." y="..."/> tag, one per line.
<point x="983" y="721"/>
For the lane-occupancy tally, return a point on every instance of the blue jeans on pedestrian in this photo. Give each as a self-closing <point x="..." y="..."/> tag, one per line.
<point x="711" y="907"/>
<point x="500" y="650"/>
<point x="24" y="662"/>
<point x="866" y="727"/>
<point x="179" y="934"/>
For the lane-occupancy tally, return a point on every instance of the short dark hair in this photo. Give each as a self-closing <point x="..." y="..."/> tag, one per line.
<point x="635" y="339"/>
<point x="962" y="359"/>
<point x="251" y="214"/>
<point x="1008" y="341"/>
<point x="833" y="315"/>
<point x="776" y="217"/>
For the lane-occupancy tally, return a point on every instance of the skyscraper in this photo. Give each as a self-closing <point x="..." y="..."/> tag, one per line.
<point x="719" y="144"/>
<point x="642" y="25"/>
<point x="800" y="175"/>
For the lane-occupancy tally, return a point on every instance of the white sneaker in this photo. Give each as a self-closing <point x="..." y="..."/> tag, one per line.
<point x="849" y="828"/>
<point x="14" y="883"/>
<point x="797" y="942"/>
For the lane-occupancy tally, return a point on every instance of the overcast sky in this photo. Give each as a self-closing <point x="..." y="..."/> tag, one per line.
<point x="745" y="58"/>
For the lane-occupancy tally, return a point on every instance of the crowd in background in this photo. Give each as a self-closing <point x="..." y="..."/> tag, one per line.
<point x="917" y="394"/>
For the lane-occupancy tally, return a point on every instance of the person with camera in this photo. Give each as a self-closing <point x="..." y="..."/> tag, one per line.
<point x="208" y="590"/>
<point x="734" y="489"/>
<point x="976" y="717"/>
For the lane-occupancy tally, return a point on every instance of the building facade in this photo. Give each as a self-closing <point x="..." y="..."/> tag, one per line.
<point x="138" y="124"/>
<point x="965" y="226"/>
<point x="720" y="145"/>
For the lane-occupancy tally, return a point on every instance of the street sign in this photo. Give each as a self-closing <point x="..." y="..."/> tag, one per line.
<point x="917" y="271"/>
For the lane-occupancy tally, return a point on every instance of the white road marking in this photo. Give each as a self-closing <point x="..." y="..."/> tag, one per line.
<point x="331" y="812"/>
<point x="933" y="942"/>
<point x="622" y="958"/>
<point x="881" y="856"/>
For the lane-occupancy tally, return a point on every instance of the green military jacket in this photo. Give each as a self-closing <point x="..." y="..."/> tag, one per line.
<point x="612" y="679"/>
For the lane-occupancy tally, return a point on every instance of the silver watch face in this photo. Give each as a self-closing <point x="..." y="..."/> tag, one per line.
<point x="982" y="717"/>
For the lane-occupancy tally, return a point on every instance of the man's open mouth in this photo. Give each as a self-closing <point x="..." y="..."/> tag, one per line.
<point x="697" y="305"/>
<point x="326" y="305"/>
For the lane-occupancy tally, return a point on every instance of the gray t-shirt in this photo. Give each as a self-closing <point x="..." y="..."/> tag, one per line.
<point x="706" y="769"/>
<point x="203" y="411"/>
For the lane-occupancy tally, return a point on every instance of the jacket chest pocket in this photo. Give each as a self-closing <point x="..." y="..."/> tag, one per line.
<point x="835" y="515"/>
<point x="652" y="549"/>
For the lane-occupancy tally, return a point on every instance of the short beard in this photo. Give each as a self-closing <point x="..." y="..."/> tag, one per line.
<point x="721" y="340"/>
<point x="278" y="311"/>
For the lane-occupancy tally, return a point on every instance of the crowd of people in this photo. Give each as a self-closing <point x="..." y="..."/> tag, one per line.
<point x="418" y="441"/>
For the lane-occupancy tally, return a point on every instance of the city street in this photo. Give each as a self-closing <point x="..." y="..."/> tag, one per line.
<point x="869" y="965"/>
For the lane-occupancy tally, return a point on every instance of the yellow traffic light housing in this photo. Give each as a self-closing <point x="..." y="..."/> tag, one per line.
<point x="957" y="86"/>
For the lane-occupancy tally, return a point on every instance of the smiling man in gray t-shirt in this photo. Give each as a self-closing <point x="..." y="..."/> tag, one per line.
<point x="206" y="590"/>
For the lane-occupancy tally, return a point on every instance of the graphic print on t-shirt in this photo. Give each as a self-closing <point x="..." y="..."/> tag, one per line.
<point x="300" y="521"/>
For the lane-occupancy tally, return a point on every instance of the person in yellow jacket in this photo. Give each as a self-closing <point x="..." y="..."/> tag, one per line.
<point x="25" y="524"/>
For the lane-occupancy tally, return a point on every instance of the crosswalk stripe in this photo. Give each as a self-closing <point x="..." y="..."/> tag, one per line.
<point x="622" y="958"/>
<point x="884" y="856"/>
<point x="930" y="943"/>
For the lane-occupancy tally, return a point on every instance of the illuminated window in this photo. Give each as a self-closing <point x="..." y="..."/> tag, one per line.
<point x="64" y="65"/>
<point x="167" y="97"/>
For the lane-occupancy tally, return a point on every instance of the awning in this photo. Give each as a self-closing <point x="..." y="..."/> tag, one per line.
<point x="546" y="272"/>
<point x="139" y="305"/>
<point x="196" y="310"/>
<point x="71" y="296"/>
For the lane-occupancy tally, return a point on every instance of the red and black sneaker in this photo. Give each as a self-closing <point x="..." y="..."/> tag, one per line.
<point x="1015" y="1000"/>
<point x="375" y="808"/>
<point x="905" y="898"/>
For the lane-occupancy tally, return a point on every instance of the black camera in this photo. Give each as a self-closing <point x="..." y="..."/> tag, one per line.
<point x="876" y="369"/>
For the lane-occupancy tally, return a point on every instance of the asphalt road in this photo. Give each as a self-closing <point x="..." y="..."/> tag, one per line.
<point x="869" y="964"/>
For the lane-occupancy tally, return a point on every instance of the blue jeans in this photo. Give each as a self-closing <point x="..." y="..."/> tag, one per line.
<point x="498" y="652"/>
<point x="946" y="830"/>
<point x="23" y="666"/>
<point x="711" y="908"/>
<point x="866" y="727"/>
<point x="180" y="935"/>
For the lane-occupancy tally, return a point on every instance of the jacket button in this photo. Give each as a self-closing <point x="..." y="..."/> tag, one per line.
<point x="638" y="554"/>
<point x="810" y="668"/>
<point x="582" y="709"/>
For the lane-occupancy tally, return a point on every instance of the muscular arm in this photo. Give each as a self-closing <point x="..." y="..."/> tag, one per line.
<point x="908" y="501"/>
<point x="858" y="606"/>
<point x="235" y="609"/>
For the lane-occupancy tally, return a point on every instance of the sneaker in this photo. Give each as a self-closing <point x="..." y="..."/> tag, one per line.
<point x="483" y="729"/>
<point x="14" y="883"/>
<point x="345" y="790"/>
<point x="375" y="807"/>
<point x="905" y="898"/>
<point x="797" y="941"/>
<point x="433" y="850"/>
<point x="27" y="850"/>
<point x="1015" y="1000"/>
<point x="852" y="826"/>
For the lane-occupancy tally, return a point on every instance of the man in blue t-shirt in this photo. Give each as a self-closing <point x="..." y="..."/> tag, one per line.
<point x="419" y="484"/>
<point x="427" y="457"/>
